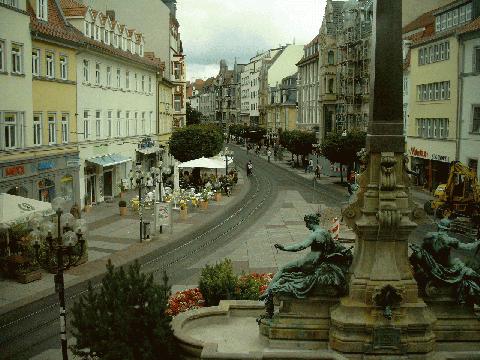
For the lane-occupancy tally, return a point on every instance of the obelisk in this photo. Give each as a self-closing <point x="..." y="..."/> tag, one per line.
<point x="383" y="313"/>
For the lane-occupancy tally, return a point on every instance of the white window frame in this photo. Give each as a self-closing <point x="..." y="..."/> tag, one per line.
<point x="97" y="74"/>
<point x="65" y="127"/>
<point x="87" y="28"/>
<point x="109" y="123"/>
<point x="35" y="62"/>
<point x="106" y="37"/>
<point x="127" y="80"/>
<point x="149" y="84"/>
<point x="50" y="64"/>
<point x="86" y="124"/>
<point x="468" y="12"/>
<point x="144" y="129"/>
<point x="97" y="32"/>
<point x="63" y="67"/>
<point x="98" y="124"/>
<point x="119" y="123"/>
<point x="42" y="10"/>
<point x="86" y="71"/>
<point x="37" y="129"/>
<point x="109" y="76"/>
<point x="127" y="122"/>
<point x="9" y="129"/>
<point x="135" y="77"/>
<point x="475" y="128"/>
<point x="136" y="123"/>
<point x="118" y="79"/>
<point x="143" y="83"/>
<point x="150" y="118"/>
<point x="3" y="67"/>
<point x="17" y="58"/>
<point x="52" y="128"/>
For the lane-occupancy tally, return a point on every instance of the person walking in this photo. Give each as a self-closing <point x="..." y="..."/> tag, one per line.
<point x="269" y="153"/>
<point x="310" y="166"/>
<point x="249" y="168"/>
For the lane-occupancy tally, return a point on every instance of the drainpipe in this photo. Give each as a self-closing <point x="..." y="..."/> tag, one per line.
<point x="461" y="56"/>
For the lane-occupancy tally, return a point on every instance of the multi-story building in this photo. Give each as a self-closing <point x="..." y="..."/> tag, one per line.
<point x="236" y="92"/>
<point x="328" y="66"/>
<point x="19" y="172"/>
<point x="353" y="65"/>
<point x="116" y="100"/>
<point x="224" y="99"/>
<point x="208" y="100"/>
<point x="433" y="131"/>
<point x="308" y="87"/>
<point x="469" y="87"/>
<point x="282" y="106"/>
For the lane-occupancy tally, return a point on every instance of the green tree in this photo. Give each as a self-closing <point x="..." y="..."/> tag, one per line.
<point x="343" y="149"/>
<point x="195" y="141"/>
<point x="193" y="116"/>
<point x="125" y="319"/>
<point x="298" y="142"/>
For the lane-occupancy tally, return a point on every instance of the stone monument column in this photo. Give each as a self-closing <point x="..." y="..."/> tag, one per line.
<point x="383" y="313"/>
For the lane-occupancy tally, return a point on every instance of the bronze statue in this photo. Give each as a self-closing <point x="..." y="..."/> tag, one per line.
<point x="433" y="265"/>
<point x="326" y="265"/>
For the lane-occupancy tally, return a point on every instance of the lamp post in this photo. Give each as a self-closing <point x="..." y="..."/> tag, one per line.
<point x="157" y="177"/>
<point x="69" y="234"/>
<point x="139" y="177"/>
<point x="226" y="152"/>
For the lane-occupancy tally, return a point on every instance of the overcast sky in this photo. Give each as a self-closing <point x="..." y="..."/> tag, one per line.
<point x="212" y="30"/>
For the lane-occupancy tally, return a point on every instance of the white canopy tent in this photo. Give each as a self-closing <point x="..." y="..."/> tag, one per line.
<point x="207" y="163"/>
<point x="17" y="208"/>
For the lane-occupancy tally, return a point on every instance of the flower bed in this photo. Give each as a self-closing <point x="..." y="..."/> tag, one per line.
<point x="185" y="300"/>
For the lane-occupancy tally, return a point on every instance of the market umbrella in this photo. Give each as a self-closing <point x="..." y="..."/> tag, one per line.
<point x="17" y="208"/>
<point x="207" y="163"/>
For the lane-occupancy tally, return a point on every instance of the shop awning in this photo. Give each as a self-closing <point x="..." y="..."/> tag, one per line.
<point x="149" y="150"/>
<point x="109" y="160"/>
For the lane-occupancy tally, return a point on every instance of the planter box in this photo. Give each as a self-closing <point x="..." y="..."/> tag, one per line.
<point x="183" y="213"/>
<point x="87" y="208"/>
<point x="28" y="277"/>
<point x="218" y="196"/>
<point x="123" y="211"/>
<point x="203" y="204"/>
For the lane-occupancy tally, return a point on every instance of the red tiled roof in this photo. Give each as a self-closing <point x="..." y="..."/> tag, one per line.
<point x="421" y="22"/>
<point x="73" y="8"/>
<point x="470" y="27"/>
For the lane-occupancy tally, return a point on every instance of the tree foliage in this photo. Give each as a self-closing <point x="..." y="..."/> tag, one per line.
<point x="253" y="134"/>
<point x="125" y="319"/>
<point x="298" y="142"/>
<point x="195" y="141"/>
<point x="193" y="116"/>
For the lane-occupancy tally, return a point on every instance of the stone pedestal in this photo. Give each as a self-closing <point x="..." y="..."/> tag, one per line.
<point x="301" y="323"/>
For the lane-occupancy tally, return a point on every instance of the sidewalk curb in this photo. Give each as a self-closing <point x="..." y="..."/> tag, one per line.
<point x="135" y="251"/>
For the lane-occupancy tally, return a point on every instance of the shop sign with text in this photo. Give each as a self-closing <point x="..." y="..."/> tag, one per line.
<point x="418" y="152"/>
<point x="15" y="170"/>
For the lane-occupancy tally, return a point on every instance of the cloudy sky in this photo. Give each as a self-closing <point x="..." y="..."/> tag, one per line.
<point x="224" y="29"/>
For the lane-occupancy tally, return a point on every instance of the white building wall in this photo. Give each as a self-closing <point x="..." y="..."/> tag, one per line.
<point x="93" y="98"/>
<point x="469" y="140"/>
<point x="285" y="64"/>
<point x="16" y="89"/>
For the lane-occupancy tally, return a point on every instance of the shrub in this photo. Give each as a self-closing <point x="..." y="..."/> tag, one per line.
<point x="217" y="282"/>
<point x="251" y="286"/>
<point x="125" y="319"/>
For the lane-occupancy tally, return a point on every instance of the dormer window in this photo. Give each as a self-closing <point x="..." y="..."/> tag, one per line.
<point x="97" y="32"/>
<point x="107" y="37"/>
<point x="141" y="50"/>
<point x="132" y="47"/>
<point x="42" y="9"/>
<point x="87" y="29"/>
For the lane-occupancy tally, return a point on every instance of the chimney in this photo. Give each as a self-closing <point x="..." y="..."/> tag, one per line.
<point x="111" y="14"/>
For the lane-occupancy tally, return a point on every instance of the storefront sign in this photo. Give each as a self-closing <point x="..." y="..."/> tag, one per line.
<point x="146" y="143"/>
<point x="442" y="158"/>
<point x="73" y="161"/>
<point x="418" y="152"/>
<point x="163" y="215"/>
<point x="46" y="165"/>
<point x="15" y="170"/>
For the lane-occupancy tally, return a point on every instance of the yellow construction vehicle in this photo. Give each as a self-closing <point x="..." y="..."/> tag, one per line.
<point x="460" y="196"/>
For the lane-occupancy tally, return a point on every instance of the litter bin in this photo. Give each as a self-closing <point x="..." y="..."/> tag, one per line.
<point x="146" y="229"/>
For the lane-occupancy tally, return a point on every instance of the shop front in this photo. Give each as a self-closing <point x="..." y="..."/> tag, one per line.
<point x="432" y="166"/>
<point x="102" y="175"/>
<point x="43" y="178"/>
<point x="148" y="154"/>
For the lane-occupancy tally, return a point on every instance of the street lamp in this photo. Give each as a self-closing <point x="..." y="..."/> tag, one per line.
<point x="227" y="153"/>
<point x="157" y="177"/>
<point x="140" y="178"/>
<point x="69" y="241"/>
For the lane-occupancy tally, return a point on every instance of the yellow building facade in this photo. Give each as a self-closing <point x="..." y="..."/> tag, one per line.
<point x="433" y="104"/>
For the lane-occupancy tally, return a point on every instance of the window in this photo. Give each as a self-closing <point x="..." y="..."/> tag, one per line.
<point x="2" y="56"/>
<point x="444" y="21"/>
<point x="11" y="130"/>
<point x="150" y="84"/>
<point x="143" y="123"/>
<point x="462" y="14"/>
<point x="17" y="63"/>
<point x="421" y="60"/>
<point x="468" y="11"/>
<point x="118" y="78"/>
<point x="87" y="29"/>
<point x="109" y="124"/>
<point x="476" y="59"/>
<point x="106" y="37"/>
<point x="152" y="130"/>
<point x="37" y="129"/>
<point x="141" y="50"/>
<point x="331" y="58"/>
<point x="42" y="9"/>
<point x="143" y="83"/>
<point x="449" y="19"/>
<point x="86" y="124"/>
<point x="97" y="74"/>
<point x="476" y="119"/>
<point x="63" y="67"/>
<point x="119" y="115"/>
<point x="136" y="81"/>
<point x="109" y="76"/>
<point x="65" y="128"/>
<point x="35" y="62"/>
<point x="50" y="65"/>
<point x="127" y="121"/>
<point x="132" y="45"/>
<point x="136" y="123"/>
<point x="86" y="75"/>
<point x="98" y="123"/>
<point x="455" y="17"/>
<point x="52" y="129"/>
<point x="97" y="32"/>
<point x="127" y="80"/>
<point x="437" y="91"/>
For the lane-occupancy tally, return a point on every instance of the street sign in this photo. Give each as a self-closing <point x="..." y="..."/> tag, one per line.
<point x="163" y="215"/>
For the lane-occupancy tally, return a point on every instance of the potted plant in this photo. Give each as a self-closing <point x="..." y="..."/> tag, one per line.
<point x="122" y="205"/>
<point x="123" y="189"/>
<point x="183" y="209"/>
<point x="217" y="195"/>
<point x="204" y="199"/>
<point x="88" y="205"/>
